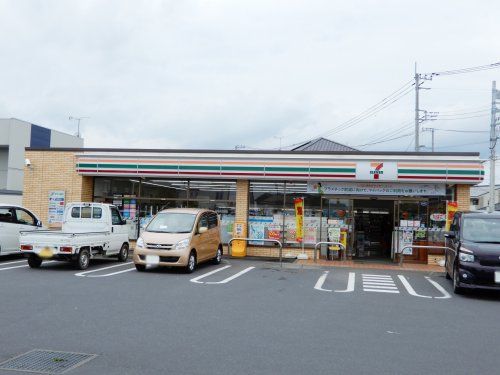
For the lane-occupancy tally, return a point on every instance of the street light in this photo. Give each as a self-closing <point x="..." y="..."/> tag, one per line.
<point x="77" y="119"/>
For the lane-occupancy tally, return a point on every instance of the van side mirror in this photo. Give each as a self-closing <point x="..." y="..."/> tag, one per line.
<point x="202" y="230"/>
<point x="449" y="234"/>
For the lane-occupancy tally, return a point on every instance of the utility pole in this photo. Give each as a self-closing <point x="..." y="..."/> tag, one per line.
<point x="417" y="111"/>
<point x="493" y="143"/>
<point x="432" y="130"/>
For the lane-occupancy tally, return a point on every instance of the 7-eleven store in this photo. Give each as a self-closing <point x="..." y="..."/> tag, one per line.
<point x="365" y="199"/>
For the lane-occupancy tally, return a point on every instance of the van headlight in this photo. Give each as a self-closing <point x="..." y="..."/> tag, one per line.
<point x="182" y="244"/>
<point x="140" y="242"/>
<point x="464" y="257"/>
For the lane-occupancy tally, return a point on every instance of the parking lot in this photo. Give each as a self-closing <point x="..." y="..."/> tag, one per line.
<point x="245" y="316"/>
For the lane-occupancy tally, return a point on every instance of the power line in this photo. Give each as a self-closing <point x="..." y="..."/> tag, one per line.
<point x="387" y="140"/>
<point x="467" y="70"/>
<point x="465" y="144"/>
<point x="461" y="131"/>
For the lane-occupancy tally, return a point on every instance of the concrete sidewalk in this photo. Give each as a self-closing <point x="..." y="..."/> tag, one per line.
<point x="370" y="265"/>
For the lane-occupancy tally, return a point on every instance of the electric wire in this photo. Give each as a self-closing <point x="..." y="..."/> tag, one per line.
<point x="467" y="70"/>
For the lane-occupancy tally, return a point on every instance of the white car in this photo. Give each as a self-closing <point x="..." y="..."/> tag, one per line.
<point x="14" y="219"/>
<point x="89" y="230"/>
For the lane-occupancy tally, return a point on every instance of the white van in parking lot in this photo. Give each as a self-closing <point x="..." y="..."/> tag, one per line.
<point x="14" y="219"/>
<point x="89" y="230"/>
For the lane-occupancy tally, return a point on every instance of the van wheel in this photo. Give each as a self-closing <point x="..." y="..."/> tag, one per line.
<point x="34" y="261"/>
<point x="456" y="282"/>
<point x="83" y="260"/>
<point x="191" y="266"/>
<point x="218" y="256"/>
<point x="123" y="254"/>
<point x="140" y="267"/>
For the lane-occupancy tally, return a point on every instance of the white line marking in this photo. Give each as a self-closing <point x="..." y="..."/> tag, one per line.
<point x="231" y="277"/>
<point x="409" y="288"/>
<point x="378" y="282"/>
<point x="17" y="261"/>
<point x="24" y="265"/>
<point x="195" y="280"/>
<point x="350" y="284"/>
<point x="377" y="276"/>
<point x="380" y="286"/>
<point x="113" y="273"/>
<point x="381" y="290"/>
<point x="440" y="288"/>
<point x="321" y="281"/>
<point x="82" y="274"/>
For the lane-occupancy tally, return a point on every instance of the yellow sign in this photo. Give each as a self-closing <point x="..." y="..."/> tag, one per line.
<point x="451" y="208"/>
<point x="299" y="219"/>
<point x="239" y="248"/>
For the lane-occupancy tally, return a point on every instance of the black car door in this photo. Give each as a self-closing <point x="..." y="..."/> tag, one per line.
<point x="454" y="243"/>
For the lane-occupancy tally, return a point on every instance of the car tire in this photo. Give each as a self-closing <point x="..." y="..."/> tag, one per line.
<point x="457" y="289"/>
<point x="140" y="267"/>
<point x="34" y="261"/>
<point x="123" y="254"/>
<point x="83" y="259"/>
<point x="191" y="265"/>
<point x="218" y="256"/>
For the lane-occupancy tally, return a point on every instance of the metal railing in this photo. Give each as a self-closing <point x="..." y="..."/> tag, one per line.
<point x="256" y="240"/>
<point x="401" y="255"/>
<point x="341" y="247"/>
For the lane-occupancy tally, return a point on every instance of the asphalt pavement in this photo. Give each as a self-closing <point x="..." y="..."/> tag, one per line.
<point x="247" y="317"/>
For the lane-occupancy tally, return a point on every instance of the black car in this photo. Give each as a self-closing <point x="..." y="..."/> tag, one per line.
<point x="473" y="254"/>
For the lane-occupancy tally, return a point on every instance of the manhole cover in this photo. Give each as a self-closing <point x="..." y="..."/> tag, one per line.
<point x="46" y="361"/>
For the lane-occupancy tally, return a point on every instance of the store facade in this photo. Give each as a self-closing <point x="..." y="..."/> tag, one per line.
<point x="366" y="200"/>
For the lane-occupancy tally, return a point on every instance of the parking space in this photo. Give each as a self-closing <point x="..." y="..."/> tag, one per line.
<point x="234" y="317"/>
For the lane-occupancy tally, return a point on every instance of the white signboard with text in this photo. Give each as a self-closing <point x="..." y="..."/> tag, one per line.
<point x="56" y="206"/>
<point x="371" y="188"/>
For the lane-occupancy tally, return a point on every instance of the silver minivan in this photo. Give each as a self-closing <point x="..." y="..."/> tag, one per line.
<point x="14" y="219"/>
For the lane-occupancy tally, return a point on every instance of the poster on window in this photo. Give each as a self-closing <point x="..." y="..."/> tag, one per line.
<point x="451" y="209"/>
<point x="56" y="206"/>
<point x="257" y="226"/>
<point x="406" y="239"/>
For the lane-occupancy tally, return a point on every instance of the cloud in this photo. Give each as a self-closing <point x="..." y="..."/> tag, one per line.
<point x="204" y="74"/>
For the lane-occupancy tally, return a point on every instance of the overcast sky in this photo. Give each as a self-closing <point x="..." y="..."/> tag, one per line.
<point x="215" y="74"/>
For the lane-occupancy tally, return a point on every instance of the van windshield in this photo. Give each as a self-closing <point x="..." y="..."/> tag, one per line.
<point x="172" y="223"/>
<point x="486" y="230"/>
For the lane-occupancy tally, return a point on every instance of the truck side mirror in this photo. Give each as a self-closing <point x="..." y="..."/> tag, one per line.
<point x="39" y="223"/>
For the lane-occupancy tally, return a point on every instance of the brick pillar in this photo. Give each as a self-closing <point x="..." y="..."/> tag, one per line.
<point x="463" y="197"/>
<point x="242" y="191"/>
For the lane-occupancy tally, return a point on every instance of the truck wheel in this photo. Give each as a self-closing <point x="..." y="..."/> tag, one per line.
<point x="34" y="261"/>
<point x="191" y="266"/>
<point x="140" y="267"/>
<point x="83" y="260"/>
<point x="123" y="254"/>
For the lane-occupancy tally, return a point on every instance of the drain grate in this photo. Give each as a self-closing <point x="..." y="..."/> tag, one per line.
<point x="46" y="361"/>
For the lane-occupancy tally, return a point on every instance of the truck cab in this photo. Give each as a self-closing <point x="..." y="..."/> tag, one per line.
<point x="89" y="230"/>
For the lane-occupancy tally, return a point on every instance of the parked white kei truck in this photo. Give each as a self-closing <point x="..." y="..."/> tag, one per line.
<point x="89" y="230"/>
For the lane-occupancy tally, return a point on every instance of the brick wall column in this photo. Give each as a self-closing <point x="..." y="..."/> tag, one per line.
<point x="53" y="170"/>
<point x="463" y="197"/>
<point x="242" y="192"/>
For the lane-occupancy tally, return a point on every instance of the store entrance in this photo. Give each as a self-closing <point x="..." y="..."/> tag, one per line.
<point x="374" y="221"/>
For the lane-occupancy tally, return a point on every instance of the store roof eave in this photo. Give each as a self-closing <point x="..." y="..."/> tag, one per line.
<point x="251" y="152"/>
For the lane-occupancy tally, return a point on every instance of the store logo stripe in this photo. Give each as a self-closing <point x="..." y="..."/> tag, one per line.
<point x="240" y="168"/>
<point x="352" y="170"/>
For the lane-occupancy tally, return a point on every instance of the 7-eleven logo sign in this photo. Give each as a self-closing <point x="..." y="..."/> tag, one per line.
<point x="376" y="169"/>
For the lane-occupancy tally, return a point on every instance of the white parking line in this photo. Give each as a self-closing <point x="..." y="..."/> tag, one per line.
<point x="195" y="280"/>
<point x="17" y="261"/>
<point x="409" y="288"/>
<point x="350" y="284"/>
<point x="113" y="273"/>
<point x="82" y="274"/>
<point x="321" y="281"/>
<point x="446" y="295"/>
<point x="379" y="284"/>
<point x="24" y="265"/>
<point x="231" y="277"/>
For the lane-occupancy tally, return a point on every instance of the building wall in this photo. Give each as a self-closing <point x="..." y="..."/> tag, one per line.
<point x="58" y="139"/>
<point x="53" y="171"/>
<point x="4" y="167"/>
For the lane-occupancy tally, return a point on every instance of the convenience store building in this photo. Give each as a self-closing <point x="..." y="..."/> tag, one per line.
<point x="369" y="197"/>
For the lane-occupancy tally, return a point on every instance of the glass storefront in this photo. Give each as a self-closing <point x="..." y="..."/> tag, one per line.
<point x="140" y="199"/>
